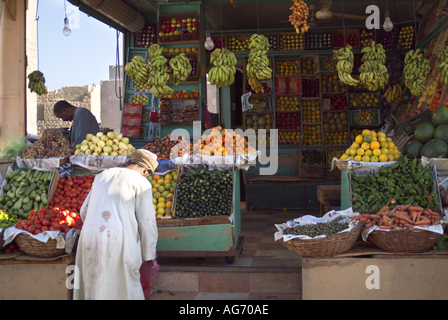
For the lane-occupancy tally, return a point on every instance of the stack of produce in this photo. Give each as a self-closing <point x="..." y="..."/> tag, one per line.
<point x="54" y="220"/>
<point x="163" y="187"/>
<point x="374" y="74"/>
<point x="403" y="183"/>
<point x="400" y="217"/>
<point x="430" y="140"/>
<point x="262" y="121"/>
<point x="257" y="66"/>
<point x="108" y="144"/>
<point x="52" y="144"/>
<point x="181" y="68"/>
<point x="166" y="148"/>
<point x="202" y="192"/>
<point x="184" y="114"/>
<point x="430" y="96"/>
<point x="37" y="82"/>
<point x="164" y="111"/>
<point x="25" y="190"/>
<point x="299" y="16"/>
<point x="443" y="64"/>
<point x="7" y="219"/>
<point x="372" y="147"/>
<point x="137" y="69"/>
<point x="311" y="230"/>
<point x="345" y="64"/>
<point x="158" y="76"/>
<point x="415" y="71"/>
<point x="394" y="94"/>
<point x="221" y="143"/>
<point x="223" y="72"/>
<point x="71" y="192"/>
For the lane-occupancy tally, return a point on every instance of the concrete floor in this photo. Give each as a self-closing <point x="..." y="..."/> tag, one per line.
<point x="266" y="269"/>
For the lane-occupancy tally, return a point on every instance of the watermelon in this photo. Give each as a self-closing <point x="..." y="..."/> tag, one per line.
<point x="424" y="132"/>
<point x="441" y="132"/>
<point x="435" y="148"/>
<point x="440" y="116"/>
<point x="412" y="149"/>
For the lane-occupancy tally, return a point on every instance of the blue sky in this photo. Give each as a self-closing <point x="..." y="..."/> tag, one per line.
<point x="84" y="57"/>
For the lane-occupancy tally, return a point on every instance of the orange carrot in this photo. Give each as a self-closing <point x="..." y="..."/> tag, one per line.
<point x="402" y="216"/>
<point x="374" y="216"/>
<point x="411" y="208"/>
<point x="385" y="227"/>
<point x="358" y="217"/>
<point x="402" y="207"/>
<point x="423" y="222"/>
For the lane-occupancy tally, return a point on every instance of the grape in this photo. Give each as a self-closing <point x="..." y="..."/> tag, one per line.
<point x="52" y="144"/>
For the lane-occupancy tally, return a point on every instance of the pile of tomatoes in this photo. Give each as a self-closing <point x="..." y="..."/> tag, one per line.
<point x="71" y="192"/>
<point x="56" y="219"/>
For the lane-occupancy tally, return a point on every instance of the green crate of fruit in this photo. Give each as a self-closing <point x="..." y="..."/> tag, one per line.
<point x="365" y="117"/>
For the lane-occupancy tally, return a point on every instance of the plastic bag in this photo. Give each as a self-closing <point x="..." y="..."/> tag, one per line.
<point x="148" y="275"/>
<point x="13" y="146"/>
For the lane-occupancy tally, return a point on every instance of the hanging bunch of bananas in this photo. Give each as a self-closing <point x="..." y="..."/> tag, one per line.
<point x="373" y="72"/>
<point x="345" y="59"/>
<point x="394" y="94"/>
<point x="138" y="70"/>
<point x="37" y="82"/>
<point x="415" y="71"/>
<point x="181" y="69"/>
<point x="257" y="66"/>
<point x="443" y="64"/>
<point x="223" y="72"/>
<point x="154" y="51"/>
<point x="158" y="74"/>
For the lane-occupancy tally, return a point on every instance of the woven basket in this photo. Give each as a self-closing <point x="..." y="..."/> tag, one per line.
<point x="33" y="247"/>
<point x="325" y="247"/>
<point x="2" y="242"/>
<point x="342" y="165"/>
<point x="404" y="240"/>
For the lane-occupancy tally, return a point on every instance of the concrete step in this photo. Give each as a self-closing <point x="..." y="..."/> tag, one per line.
<point x="229" y="280"/>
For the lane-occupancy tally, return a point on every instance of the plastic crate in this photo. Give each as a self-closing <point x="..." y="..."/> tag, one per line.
<point x="408" y="126"/>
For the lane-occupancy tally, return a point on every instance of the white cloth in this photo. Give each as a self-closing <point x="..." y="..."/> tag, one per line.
<point x="119" y="232"/>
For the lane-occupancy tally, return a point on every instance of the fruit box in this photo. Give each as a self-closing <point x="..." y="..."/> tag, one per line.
<point x="328" y="43"/>
<point x="323" y="60"/>
<point x="304" y="59"/>
<point x="274" y="37"/>
<point x="355" y="41"/>
<point x="184" y="37"/>
<point x="231" y="40"/>
<point x="372" y="117"/>
<point x="408" y="126"/>
<point x="294" y="35"/>
<point x="279" y="62"/>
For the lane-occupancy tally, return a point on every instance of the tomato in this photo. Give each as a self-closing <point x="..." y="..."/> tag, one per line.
<point x="38" y="225"/>
<point x="45" y="228"/>
<point x="69" y="183"/>
<point x="46" y="222"/>
<point x="62" y="180"/>
<point x="38" y="231"/>
<point x="60" y="186"/>
<point x="7" y="250"/>
<point x="31" y="229"/>
<point x="90" y="177"/>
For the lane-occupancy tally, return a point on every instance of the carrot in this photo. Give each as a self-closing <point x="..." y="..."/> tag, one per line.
<point x="419" y="213"/>
<point x="414" y="215"/>
<point x="411" y="208"/>
<point x="385" y="227"/>
<point x="436" y="222"/>
<point x="358" y="217"/>
<point x="423" y="222"/>
<point x="402" y="207"/>
<point x="407" y="225"/>
<point x="402" y="216"/>
<point x="370" y="225"/>
<point x="383" y="211"/>
<point x="386" y="220"/>
<point x="374" y="216"/>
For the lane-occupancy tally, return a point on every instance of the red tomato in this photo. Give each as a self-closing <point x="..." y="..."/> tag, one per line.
<point x="46" y="222"/>
<point x="45" y="228"/>
<point x="91" y="177"/>
<point x="38" y="225"/>
<point x="38" y="231"/>
<point x="69" y="183"/>
<point x="31" y="229"/>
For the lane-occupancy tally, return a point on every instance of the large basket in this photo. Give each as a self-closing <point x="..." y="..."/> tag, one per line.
<point x="404" y="240"/>
<point x="33" y="247"/>
<point x="2" y="242"/>
<point x="325" y="247"/>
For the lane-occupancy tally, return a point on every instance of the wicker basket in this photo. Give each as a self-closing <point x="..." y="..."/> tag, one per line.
<point x="36" y="248"/>
<point x="342" y="165"/>
<point x="325" y="247"/>
<point x="404" y="240"/>
<point x="2" y="242"/>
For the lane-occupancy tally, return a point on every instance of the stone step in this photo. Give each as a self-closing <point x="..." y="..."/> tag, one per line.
<point x="230" y="280"/>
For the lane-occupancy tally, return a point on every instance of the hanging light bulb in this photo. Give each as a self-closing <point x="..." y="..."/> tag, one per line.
<point x="66" y="30"/>
<point x="388" y="25"/>
<point x="209" y="45"/>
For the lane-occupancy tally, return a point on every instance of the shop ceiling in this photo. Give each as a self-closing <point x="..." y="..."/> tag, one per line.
<point x="269" y="14"/>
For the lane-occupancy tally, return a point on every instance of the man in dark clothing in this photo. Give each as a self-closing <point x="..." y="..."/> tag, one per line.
<point x="84" y="121"/>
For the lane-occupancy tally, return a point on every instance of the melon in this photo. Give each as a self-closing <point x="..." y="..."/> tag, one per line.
<point x="440" y="116"/>
<point x="441" y="132"/>
<point x="435" y="148"/>
<point x="424" y="132"/>
<point x="412" y="149"/>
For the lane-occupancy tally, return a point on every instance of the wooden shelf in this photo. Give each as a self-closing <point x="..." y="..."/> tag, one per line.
<point x="294" y="75"/>
<point x="176" y="123"/>
<point x="334" y="93"/>
<point x="288" y="111"/>
<point x="335" y="111"/>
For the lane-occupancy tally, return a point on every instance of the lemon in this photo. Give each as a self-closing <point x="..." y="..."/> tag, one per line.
<point x="161" y="205"/>
<point x="391" y="145"/>
<point x="397" y="157"/>
<point x="162" y="200"/>
<point x="388" y="139"/>
<point x="360" y="152"/>
<point x="385" y="151"/>
<point x="391" y="151"/>
<point x="160" y="211"/>
<point x="375" y="145"/>
<point x="347" y="152"/>
<point x="358" y="158"/>
<point x="383" y="158"/>
<point x="154" y="190"/>
<point x="373" y="134"/>
<point x="167" y="211"/>
<point x="366" y="159"/>
<point x="359" y="139"/>
<point x="154" y="201"/>
<point x="149" y="177"/>
<point x="381" y="134"/>
<point x="365" y="146"/>
<point x="353" y="151"/>
<point x="155" y="207"/>
<point x="381" y="139"/>
<point x="161" y="189"/>
<point x="368" y="153"/>
<point x="168" y="204"/>
<point x="373" y="159"/>
<point x="397" y="152"/>
<point x="390" y="157"/>
<point x="376" y="153"/>
<point x="344" y="156"/>
<point x="374" y="139"/>
<point x="355" y="145"/>
<point x="365" y="132"/>
<point x="156" y="195"/>
<point x="384" y="144"/>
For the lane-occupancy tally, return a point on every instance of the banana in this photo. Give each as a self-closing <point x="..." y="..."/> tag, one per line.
<point x="415" y="71"/>
<point x="345" y="59"/>
<point x="223" y="72"/>
<point x="37" y="82"/>
<point x="257" y="67"/>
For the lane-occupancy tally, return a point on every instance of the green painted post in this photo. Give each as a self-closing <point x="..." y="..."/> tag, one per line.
<point x="225" y="105"/>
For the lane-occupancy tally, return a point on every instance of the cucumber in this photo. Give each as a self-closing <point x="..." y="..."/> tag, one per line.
<point x="2" y="197"/>
<point x="33" y="194"/>
<point x="26" y="199"/>
<point x="44" y="199"/>
<point x="21" y="176"/>
<point x="29" y="206"/>
<point x="11" y="175"/>
<point x="37" y="199"/>
<point x="18" y="204"/>
<point x="30" y="188"/>
<point x="7" y="187"/>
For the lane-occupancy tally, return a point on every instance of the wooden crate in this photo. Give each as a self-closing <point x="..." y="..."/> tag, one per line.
<point x="279" y="61"/>
<point x="231" y="39"/>
<point x="273" y="36"/>
<point x="339" y="32"/>
<point x="305" y="58"/>
<point x="295" y="36"/>
<point x="185" y="37"/>
<point x="328" y="46"/>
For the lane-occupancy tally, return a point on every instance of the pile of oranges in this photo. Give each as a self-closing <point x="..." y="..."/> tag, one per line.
<point x="312" y="135"/>
<point x="287" y="68"/>
<point x="222" y="142"/>
<point x="185" y="94"/>
<point x="371" y="146"/>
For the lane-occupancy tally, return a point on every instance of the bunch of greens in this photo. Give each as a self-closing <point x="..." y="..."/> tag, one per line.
<point x="405" y="182"/>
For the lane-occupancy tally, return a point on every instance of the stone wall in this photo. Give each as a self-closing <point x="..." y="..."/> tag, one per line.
<point x="88" y="97"/>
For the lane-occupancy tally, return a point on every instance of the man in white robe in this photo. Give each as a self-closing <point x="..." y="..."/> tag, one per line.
<point x="119" y="232"/>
